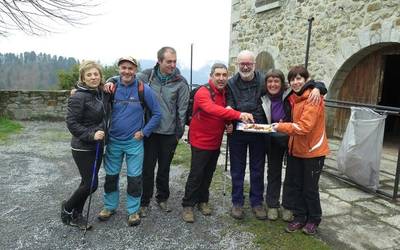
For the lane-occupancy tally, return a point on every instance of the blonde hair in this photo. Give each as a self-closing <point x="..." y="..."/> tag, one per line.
<point x="85" y="66"/>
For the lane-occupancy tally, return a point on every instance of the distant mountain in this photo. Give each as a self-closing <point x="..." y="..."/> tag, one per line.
<point x="31" y="71"/>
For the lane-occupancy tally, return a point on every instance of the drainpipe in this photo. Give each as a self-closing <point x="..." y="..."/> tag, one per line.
<point x="310" y="20"/>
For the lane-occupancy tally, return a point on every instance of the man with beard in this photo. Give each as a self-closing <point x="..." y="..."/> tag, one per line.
<point x="244" y="91"/>
<point x="208" y="108"/>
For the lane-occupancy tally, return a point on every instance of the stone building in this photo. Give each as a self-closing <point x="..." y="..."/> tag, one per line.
<point x="354" y="48"/>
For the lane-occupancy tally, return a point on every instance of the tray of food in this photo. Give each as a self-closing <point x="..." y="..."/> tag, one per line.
<point x="254" y="127"/>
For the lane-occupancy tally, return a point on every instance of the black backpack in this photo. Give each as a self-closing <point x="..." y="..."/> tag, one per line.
<point x="189" y="112"/>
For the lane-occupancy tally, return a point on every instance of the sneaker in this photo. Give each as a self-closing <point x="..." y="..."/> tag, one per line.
<point x="204" y="208"/>
<point x="105" y="214"/>
<point x="144" y="211"/>
<point x="164" y="206"/>
<point x="133" y="219"/>
<point x="80" y="222"/>
<point x="66" y="216"/>
<point x="237" y="212"/>
<point x="273" y="213"/>
<point x="287" y="215"/>
<point x="294" y="226"/>
<point x="259" y="212"/>
<point x="188" y="215"/>
<point x="310" y="228"/>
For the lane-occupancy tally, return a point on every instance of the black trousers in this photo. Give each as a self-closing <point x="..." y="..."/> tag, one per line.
<point x="84" y="160"/>
<point x="276" y="147"/>
<point x="158" y="149"/>
<point x="202" y="169"/>
<point x="306" y="173"/>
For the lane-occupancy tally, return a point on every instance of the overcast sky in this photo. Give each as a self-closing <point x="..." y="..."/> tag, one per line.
<point x="139" y="28"/>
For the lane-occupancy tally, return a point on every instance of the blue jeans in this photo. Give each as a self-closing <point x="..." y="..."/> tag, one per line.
<point x="115" y="151"/>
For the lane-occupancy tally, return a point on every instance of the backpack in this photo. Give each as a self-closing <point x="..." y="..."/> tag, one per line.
<point x="189" y="112"/>
<point x="140" y="94"/>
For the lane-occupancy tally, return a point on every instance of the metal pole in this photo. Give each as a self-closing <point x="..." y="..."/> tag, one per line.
<point x="191" y="65"/>
<point x="310" y="20"/>
<point x="396" y="178"/>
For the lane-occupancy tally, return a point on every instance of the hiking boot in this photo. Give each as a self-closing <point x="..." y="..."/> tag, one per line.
<point x="133" y="219"/>
<point x="287" y="215"/>
<point x="164" y="206"/>
<point x="66" y="216"/>
<point x="294" y="226"/>
<point x="188" y="215"/>
<point x="273" y="213"/>
<point x="259" y="212"/>
<point x="105" y="214"/>
<point x="237" y="212"/>
<point x="80" y="222"/>
<point x="204" y="208"/>
<point x="144" y="211"/>
<point x="310" y="228"/>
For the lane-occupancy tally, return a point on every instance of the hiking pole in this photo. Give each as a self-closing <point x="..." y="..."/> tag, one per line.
<point x="226" y="167"/>
<point x="91" y="185"/>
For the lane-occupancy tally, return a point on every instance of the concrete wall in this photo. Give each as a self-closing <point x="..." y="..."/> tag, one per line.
<point x="342" y="29"/>
<point x="34" y="105"/>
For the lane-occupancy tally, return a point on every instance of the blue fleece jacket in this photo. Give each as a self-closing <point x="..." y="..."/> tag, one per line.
<point x="127" y="112"/>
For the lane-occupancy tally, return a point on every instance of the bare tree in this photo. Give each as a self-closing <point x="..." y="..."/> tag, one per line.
<point x="36" y="17"/>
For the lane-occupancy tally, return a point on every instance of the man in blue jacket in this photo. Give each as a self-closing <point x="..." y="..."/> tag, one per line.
<point x="127" y="130"/>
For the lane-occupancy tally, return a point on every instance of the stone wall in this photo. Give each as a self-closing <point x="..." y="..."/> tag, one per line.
<point x="34" y="105"/>
<point x="341" y="29"/>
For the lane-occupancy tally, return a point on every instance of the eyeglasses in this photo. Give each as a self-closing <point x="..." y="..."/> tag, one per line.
<point x="246" y="64"/>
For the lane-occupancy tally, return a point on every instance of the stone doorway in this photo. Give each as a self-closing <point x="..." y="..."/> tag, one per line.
<point x="368" y="77"/>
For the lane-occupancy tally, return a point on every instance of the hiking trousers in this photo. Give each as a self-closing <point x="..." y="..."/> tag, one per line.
<point x="238" y="144"/>
<point x="159" y="149"/>
<point x="84" y="160"/>
<point x="116" y="150"/>
<point x="202" y="169"/>
<point x="306" y="173"/>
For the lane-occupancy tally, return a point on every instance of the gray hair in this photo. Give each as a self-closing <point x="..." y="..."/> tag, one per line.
<point x="246" y="53"/>
<point x="217" y="66"/>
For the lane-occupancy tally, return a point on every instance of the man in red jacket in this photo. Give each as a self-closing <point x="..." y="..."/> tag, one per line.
<point x="205" y="136"/>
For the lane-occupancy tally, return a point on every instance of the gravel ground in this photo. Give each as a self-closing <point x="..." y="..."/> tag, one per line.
<point x="37" y="172"/>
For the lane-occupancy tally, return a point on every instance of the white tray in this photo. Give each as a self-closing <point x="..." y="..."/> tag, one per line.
<point x="254" y="127"/>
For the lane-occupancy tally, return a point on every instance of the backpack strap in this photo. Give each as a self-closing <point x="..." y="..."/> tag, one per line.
<point x="141" y="96"/>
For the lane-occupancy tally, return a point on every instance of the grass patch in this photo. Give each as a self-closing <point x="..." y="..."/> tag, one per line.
<point x="8" y="127"/>
<point x="182" y="155"/>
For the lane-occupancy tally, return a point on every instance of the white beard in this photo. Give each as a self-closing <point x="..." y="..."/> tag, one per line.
<point x="246" y="75"/>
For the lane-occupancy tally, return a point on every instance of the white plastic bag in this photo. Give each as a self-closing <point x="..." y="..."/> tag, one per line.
<point x="359" y="155"/>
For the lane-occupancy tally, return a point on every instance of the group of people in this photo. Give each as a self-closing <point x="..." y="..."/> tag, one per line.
<point x="141" y="117"/>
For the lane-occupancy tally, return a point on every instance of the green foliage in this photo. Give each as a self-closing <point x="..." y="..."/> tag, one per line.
<point x="8" y="127"/>
<point x="109" y="71"/>
<point x="68" y="79"/>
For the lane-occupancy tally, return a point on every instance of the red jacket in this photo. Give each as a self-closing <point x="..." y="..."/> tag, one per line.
<point x="208" y="122"/>
<point x="307" y="132"/>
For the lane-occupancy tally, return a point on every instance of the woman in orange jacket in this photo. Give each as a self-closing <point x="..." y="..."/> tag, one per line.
<point x="308" y="146"/>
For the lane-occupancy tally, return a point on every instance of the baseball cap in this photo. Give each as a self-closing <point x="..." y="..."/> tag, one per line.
<point x="127" y="59"/>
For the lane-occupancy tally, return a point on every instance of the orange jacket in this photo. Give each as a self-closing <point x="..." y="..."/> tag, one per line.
<point x="307" y="131"/>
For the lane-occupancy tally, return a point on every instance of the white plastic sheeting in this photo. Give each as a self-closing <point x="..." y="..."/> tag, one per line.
<point x="359" y="155"/>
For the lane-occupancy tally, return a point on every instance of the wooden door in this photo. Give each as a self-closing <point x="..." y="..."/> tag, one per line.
<point x="362" y="85"/>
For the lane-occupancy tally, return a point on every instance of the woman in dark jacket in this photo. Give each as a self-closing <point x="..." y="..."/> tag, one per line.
<point x="278" y="109"/>
<point x="86" y="122"/>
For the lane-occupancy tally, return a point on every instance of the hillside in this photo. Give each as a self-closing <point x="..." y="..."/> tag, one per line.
<point x="32" y="71"/>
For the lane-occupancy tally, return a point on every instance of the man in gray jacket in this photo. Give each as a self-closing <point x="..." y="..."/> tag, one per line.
<point x="172" y="91"/>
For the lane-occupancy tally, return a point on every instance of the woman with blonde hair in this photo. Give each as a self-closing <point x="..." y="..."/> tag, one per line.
<point x="86" y="121"/>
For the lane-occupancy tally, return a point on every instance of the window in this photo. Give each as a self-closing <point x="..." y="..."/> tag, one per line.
<point x="264" y="5"/>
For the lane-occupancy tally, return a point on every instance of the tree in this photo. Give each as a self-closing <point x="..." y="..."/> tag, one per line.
<point x="68" y="79"/>
<point x="32" y="16"/>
